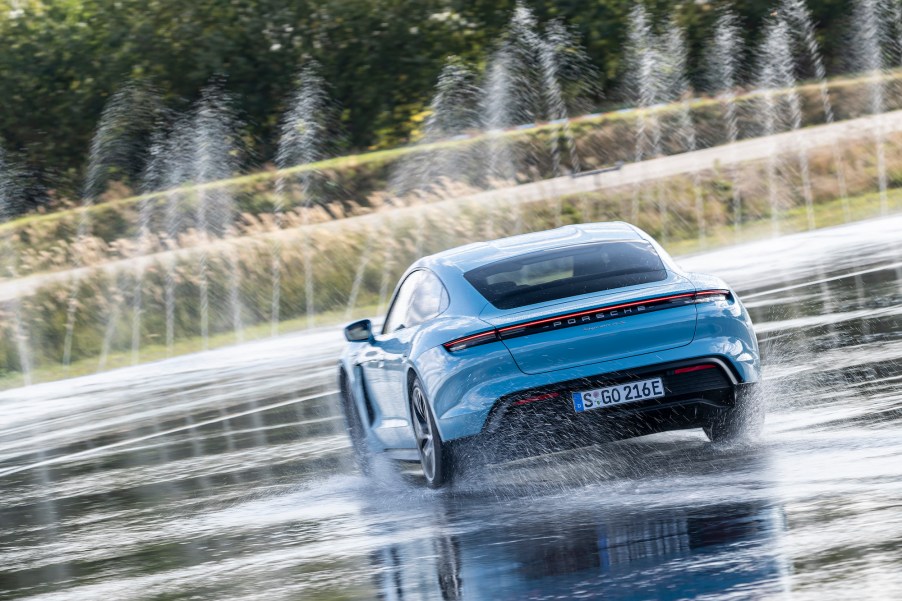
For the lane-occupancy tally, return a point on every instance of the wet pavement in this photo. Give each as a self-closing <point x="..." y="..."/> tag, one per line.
<point x="227" y="475"/>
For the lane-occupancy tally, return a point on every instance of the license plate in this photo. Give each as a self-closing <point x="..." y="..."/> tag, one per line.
<point x="620" y="394"/>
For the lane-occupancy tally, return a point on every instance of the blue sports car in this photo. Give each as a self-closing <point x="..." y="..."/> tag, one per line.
<point x="546" y="341"/>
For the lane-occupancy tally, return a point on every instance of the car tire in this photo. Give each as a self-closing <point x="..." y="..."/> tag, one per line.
<point x="436" y="456"/>
<point x="363" y="456"/>
<point x="742" y="422"/>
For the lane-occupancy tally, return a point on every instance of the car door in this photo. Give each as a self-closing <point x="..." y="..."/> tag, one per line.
<point x="420" y="298"/>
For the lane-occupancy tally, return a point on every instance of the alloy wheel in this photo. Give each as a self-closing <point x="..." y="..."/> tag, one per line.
<point x="422" y="427"/>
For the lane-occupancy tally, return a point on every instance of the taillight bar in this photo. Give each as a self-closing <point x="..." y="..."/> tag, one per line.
<point x="604" y="313"/>
<point x="705" y="296"/>
<point x="590" y="312"/>
<point x="471" y="341"/>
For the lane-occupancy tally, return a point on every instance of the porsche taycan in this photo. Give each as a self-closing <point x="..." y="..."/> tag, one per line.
<point x="547" y="341"/>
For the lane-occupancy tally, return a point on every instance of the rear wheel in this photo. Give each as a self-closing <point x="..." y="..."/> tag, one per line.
<point x="435" y="455"/>
<point x="363" y="457"/>
<point x="741" y="422"/>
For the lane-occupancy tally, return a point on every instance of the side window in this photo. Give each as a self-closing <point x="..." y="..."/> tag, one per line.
<point x="429" y="299"/>
<point x="397" y="313"/>
<point x="421" y="296"/>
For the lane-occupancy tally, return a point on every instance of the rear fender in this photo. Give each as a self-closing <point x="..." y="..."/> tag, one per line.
<point x="450" y="380"/>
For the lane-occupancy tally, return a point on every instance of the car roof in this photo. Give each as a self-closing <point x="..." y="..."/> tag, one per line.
<point x="471" y="256"/>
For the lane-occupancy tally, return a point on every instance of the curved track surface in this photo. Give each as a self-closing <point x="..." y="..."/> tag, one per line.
<point x="227" y="474"/>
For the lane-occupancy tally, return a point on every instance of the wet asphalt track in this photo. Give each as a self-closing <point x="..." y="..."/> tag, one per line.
<point x="227" y="475"/>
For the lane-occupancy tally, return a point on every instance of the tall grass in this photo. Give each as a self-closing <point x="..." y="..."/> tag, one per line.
<point x="357" y="184"/>
<point x="357" y="261"/>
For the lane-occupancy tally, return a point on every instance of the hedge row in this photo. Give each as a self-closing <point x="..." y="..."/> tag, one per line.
<point x="359" y="184"/>
<point x="357" y="261"/>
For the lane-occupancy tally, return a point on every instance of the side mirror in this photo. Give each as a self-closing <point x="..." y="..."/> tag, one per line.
<point x="359" y="331"/>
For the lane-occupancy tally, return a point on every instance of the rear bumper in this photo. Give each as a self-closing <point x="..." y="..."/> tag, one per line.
<point x="465" y="392"/>
<point x="686" y="393"/>
<point x="692" y="399"/>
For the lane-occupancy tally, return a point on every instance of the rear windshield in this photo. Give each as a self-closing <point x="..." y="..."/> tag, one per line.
<point x="560" y="273"/>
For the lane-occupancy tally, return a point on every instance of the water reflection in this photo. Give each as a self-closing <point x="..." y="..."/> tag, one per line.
<point x="720" y="549"/>
<point x="229" y="476"/>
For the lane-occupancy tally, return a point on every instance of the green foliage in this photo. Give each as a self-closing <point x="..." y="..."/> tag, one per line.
<point x="378" y="248"/>
<point x="353" y="184"/>
<point x="62" y="59"/>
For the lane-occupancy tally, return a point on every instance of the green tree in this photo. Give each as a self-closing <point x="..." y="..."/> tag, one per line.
<point x="62" y="59"/>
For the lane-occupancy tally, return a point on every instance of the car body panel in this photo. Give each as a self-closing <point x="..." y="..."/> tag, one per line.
<point x="463" y="386"/>
<point x="599" y="339"/>
<point x="384" y="367"/>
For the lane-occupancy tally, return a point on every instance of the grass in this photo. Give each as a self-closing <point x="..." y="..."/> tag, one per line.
<point x="183" y="346"/>
<point x="826" y="214"/>
<point x="387" y="155"/>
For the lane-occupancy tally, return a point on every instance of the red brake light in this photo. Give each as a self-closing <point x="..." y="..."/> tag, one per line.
<point x="537" y="397"/>
<point x="471" y="341"/>
<point x="686" y="370"/>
